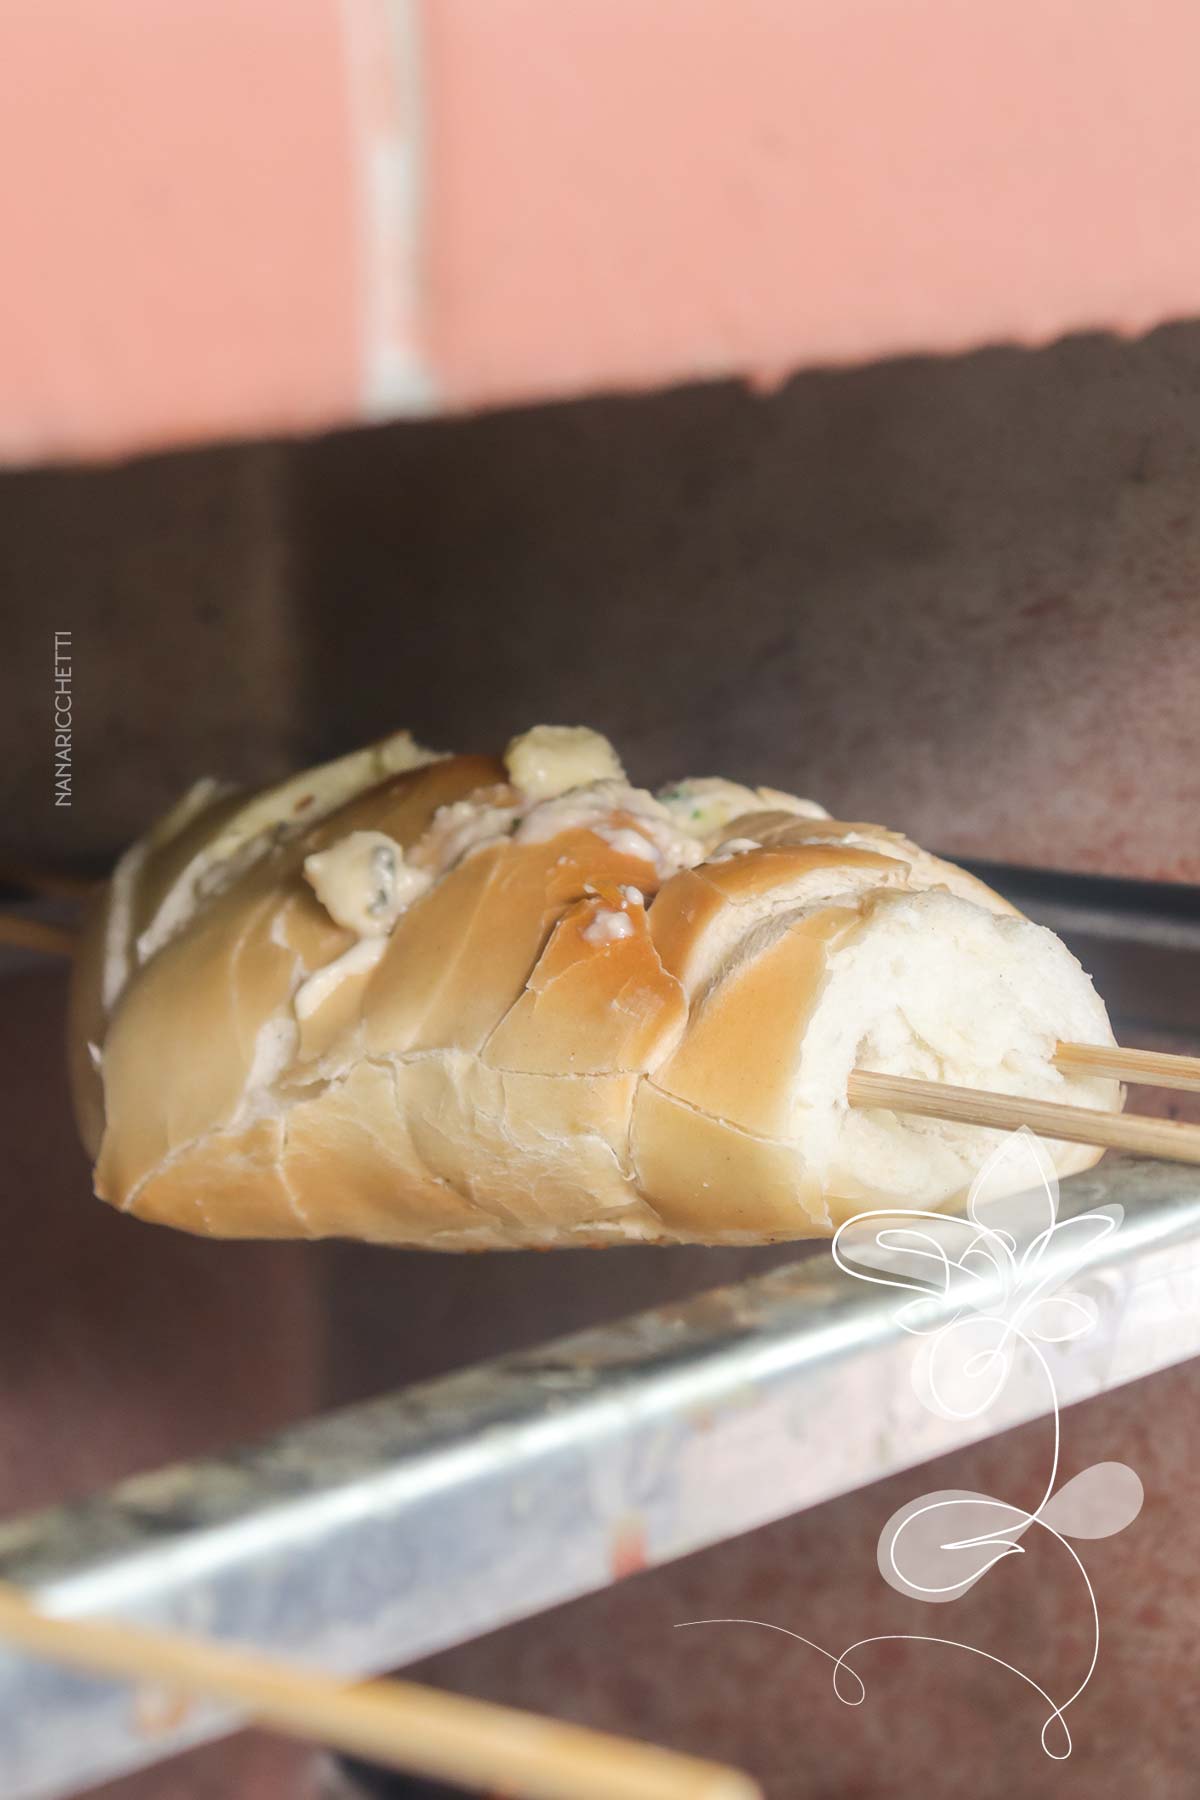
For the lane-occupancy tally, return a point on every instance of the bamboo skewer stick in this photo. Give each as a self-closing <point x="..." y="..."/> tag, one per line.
<point x="1008" y="1112"/>
<point x="35" y="934"/>
<point x="1152" y="1067"/>
<point x="53" y="884"/>
<point x="396" y="1723"/>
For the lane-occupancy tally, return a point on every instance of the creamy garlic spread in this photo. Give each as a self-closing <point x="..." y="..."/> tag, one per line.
<point x="270" y="817"/>
<point x="735" y="847"/>
<point x="460" y="828"/>
<point x="552" y="759"/>
<point x="626" y="841"/>
<point x="706" y="804"/>
<point x="364" y="883"/>
<point x="568" y="778"/>
<point x="607" y="927"/>
<point x="360" y="958"/>
<point x="650" y="833"/>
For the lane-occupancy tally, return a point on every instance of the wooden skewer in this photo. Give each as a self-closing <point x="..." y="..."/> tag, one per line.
<point x="35" y="934"/>
<point x="1008" y="1112"/>
<point x="396" y="1723"/>
<point x="55" y="884"/>
<point x="1152" y="1067"/>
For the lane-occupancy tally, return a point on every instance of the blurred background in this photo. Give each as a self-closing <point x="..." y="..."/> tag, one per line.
<point x="956" y="594"/>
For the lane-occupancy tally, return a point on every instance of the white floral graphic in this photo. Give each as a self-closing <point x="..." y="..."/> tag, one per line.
<point x="991" y="1294"/>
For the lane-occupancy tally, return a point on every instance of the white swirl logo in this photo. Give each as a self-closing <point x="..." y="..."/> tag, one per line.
<point x="984" y="1316"/>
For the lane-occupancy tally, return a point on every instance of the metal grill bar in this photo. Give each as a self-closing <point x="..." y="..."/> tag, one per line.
<point x="365" y="1539"/>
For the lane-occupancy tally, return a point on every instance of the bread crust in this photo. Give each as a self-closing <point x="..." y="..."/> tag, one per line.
<point x="586" y="1028"/>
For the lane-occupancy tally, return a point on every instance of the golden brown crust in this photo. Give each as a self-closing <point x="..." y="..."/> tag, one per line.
<point x="85" y="1021"/>
<point x="738" y="1060"/>
<point x="586" y="1014"/>
<point x="714" y="1183"/>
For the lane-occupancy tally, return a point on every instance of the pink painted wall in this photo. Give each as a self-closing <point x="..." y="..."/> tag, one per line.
<point x="178" y="256"/>
<point x="225" y="218"/>
<point x="627" y="194"/>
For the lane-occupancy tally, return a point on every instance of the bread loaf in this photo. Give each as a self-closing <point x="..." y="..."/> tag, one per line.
<point x="476" y="1003"/>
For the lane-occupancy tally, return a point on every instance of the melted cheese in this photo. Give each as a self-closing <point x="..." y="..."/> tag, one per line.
<point x="364" y="883"/>
<point x="645" y="830"/>
<point x="460" y="828"/>
<point x="552" y="759"/>
<point x="706" y="804"/>
<point x="271" y="817"/>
